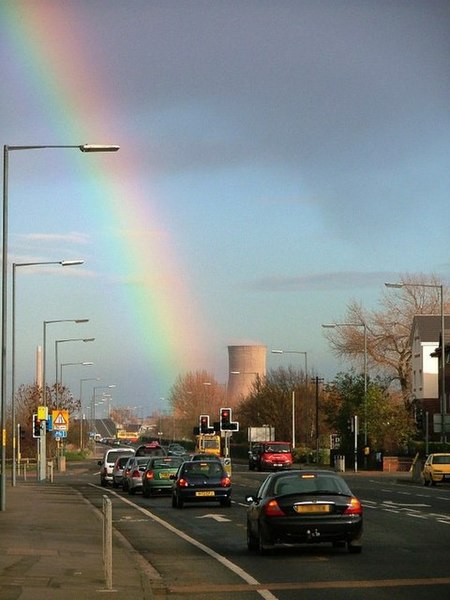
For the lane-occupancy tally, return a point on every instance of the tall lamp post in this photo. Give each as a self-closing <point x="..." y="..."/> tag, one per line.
<point x="63" y="263"/>
<point x="85" y="363"/>
<point x="293" y="391"/>
<point x="56" y="360"/>
<point x="42" y="441"/>
<point x="362" y="324"/>
<point x="4" y="294"/>
<point x="81" y="405"/>
<point x="94" y="389"/>
<point x="439" y="287"/>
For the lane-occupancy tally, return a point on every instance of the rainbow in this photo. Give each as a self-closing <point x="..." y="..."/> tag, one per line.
<point x="47" y="39"/>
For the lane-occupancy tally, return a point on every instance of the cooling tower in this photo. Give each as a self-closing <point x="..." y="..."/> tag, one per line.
<point x="245" y="364"/>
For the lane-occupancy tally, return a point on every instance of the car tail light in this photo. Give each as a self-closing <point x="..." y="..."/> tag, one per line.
<point x="354" y="508"/>
<point x="182" y="483"/>
<point x="150" y="475"/>
<point x="272" y="509"/>
<point x="225" y="482"/>
<point x="104" y="471"/>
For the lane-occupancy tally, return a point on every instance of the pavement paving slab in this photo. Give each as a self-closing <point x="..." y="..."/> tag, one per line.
<point x="51" y="547"/>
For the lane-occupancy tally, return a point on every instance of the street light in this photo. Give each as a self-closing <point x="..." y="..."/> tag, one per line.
<point x="94" y="389"/>
<point x="44" y="351"/>
<point x="63" y="263"/>
<point x="293" y="391"/>
<point x="56" y="358"/>
<point x="4" y="294"/>
<point x="439" y="287"/>
<point x="42" y="441"/>
<point x="362" y="324"/>
<point x="81" y="405"/>
<point x="86" y="363"/>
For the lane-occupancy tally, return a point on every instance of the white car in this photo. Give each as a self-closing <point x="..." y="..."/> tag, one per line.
<point x="107" y="463"/>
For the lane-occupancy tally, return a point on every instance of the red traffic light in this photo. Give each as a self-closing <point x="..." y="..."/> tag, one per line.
<point x="204" y="424"/>
<point x="226" y="422"/>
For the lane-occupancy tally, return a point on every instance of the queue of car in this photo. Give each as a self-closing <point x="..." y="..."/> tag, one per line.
<point x="291" y="506"/>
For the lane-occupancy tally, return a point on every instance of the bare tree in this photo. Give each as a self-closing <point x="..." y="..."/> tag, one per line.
<point x="193" y="394"/>
<point x="388" y="329"/>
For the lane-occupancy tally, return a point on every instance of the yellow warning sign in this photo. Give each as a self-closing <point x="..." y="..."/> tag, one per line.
<point x="60" y="419"/>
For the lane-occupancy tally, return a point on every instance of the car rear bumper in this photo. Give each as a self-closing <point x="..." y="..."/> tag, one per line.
<point x="286" y="530"/>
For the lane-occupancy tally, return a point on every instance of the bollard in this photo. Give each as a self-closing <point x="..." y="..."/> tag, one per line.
<point x="107" y="541"/>
<point x="50" y="470"/>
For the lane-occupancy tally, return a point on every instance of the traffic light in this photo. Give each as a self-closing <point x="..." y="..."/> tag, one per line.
<point x="204" y="424"/>
<point x="36" y="427"/>
<point x="226" y="423"/>
<point x="420" y="419"/>
<point x="225" y="419"/>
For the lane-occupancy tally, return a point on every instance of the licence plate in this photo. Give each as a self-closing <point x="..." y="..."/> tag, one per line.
<point x="164" y="475"/>
<point x="211" y="493"/>
<point x="312" y="508"/>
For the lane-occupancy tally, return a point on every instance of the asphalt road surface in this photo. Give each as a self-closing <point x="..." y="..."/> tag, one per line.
<point x="200" y="551"/>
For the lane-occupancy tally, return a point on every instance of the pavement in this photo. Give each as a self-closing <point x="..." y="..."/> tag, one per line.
<point x="51" y="547"/>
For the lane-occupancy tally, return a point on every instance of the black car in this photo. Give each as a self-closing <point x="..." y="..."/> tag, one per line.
<point x="201" y="481"/>
<point x="304" y="507"/>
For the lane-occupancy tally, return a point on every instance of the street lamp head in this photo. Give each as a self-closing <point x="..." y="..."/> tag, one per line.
<point x="71" y="263"/>
<point x="329" y="325"/>
<point x="396" y="286"/>
<point x="98" y="148"/>
<point x="88" y="339"/>
<point x="81" y="321"/>
<point x="277" y="351"/>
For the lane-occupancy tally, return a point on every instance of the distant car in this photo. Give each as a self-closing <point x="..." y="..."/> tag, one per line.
<point x="132" y="474"/>
<point x="117" y="473"/>
<point x="176" y="450"/>
<point x="201" y="481"/>
<point x="150" y="449"/>
<point x="436" y="468"/>
<point x="156" y="476"/>
<point x="268" y="456"/>
<point x="204" y="456"/>
<point x="107" y="463"/>
<point x="304" y="507"/>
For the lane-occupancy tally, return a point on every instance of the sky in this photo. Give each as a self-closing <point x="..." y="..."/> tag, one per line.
<point x="278" y="160"/>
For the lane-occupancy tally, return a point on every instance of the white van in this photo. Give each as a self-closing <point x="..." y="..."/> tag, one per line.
<point x="107" y="463"/>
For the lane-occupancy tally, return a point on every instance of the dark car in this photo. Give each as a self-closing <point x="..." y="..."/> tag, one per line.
<point x="150" y="449"/>
<point x="304" y="507"/>
<point x="201" y="481"/>
<point x="156" y="476"/>
<point x="176" y="450"/>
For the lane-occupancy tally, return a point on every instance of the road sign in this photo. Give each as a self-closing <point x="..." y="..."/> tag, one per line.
<point x="60" y="420"/>
<point x="59" y="435"/>
<point x="42" y="413"/>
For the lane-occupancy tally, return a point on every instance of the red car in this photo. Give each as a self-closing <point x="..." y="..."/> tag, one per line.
<point x="270" y="456"/>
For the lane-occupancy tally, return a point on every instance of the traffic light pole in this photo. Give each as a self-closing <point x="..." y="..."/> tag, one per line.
<point x="42" y="451"/>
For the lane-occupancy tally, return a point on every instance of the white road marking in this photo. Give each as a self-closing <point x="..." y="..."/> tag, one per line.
<point x="187" y="538"/>
<point x="218" y="518"/>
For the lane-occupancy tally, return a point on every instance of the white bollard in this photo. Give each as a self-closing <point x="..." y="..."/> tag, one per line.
<point x="107" y="541"/>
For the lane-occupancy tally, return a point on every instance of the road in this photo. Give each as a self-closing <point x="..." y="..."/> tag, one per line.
<point x="200" y="551"/>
